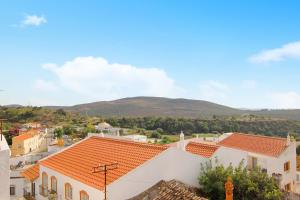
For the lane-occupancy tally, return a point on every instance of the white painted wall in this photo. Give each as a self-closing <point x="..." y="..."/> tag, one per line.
<point x="18" y="182"/>
<point x="171" y="164"/>
<point x="4" y="169"/>
<point x="227" y="156"/>
<point x="77" y="186"/>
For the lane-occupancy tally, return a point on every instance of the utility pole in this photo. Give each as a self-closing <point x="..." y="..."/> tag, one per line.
<point x="105" y="168"/>
<point x="1" y="126"/>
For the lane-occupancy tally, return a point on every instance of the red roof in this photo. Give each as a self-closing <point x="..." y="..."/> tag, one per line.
<point x="270" y="146"/>
<point x="201" y="149"/>
<point x="26" y="135"/>
<point x="77" y="162"/>
<point x="32" y="173"/>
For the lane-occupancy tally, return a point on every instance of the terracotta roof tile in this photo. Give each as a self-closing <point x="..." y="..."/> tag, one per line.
<point x="32" y="173"/>
<point x="26" y="135"/>
<point x="78" y="161"/>
<point x="270" y="146"/>
<point x="202" y="149"/>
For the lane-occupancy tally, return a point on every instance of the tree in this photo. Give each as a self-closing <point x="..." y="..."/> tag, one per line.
<point x="58" y="132"/>
<point x="156" y="135"/>
<point x="248" y="185"/>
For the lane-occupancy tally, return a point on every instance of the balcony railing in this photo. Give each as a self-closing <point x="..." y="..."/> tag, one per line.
<point x="28" y="195"/>
<point x="52" y="195"/>
<point x="44" y="191"/>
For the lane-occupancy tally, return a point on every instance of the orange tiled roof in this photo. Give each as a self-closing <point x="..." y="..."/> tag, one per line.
<point x="202" y="149"/>
<point x="32" y="173"/>
<point x="26" y="135"/>
<point x="78" y="161"/>
<point x="270" y="146"/>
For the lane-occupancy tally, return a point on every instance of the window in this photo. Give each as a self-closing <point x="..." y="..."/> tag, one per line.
<point x="287" y="166"/>
<point x="12" y="190"/>
<point x="53" y="184"/>
<point x="287" y="187"/>
<point x="44" y="180"/>
<point x="84" y="195"/>
<point x="68" y="191"/>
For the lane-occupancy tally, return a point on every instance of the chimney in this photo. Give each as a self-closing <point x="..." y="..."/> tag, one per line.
<point x="181" y="142"/>
<point x="288" y="140"/>
<point x="102" y="134"/>
<point x="118" y="133"/>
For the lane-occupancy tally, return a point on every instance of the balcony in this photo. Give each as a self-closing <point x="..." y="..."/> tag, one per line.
<point x="28" y="195"/>
<point x="43" y="191"/>
<point x="52" y="195"/>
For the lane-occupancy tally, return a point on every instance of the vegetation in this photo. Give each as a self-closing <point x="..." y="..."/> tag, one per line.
<point x="175" y="125"/>
<point x="248" y="185"/>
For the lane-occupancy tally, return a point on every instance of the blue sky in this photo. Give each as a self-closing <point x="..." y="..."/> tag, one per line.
<point x="243" y="54"/>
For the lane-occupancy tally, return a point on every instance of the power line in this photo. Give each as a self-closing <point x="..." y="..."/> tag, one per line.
<point x="105" y="168"/>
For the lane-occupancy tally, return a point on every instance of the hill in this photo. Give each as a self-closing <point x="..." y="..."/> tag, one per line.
<point x="167" y="107"/>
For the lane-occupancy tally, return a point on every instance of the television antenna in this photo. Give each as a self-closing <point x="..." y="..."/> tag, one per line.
<point x="105" y="168"/>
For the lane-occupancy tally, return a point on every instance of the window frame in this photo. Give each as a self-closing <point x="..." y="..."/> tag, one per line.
<point x="67" y="197"/>
<point x="51" y="180"/>
<point x="83" y="192"/>
<point x="14" y="189"/>
<point x="287" y="166"/>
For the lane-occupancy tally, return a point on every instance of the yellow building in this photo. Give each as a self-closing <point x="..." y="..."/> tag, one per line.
<point x="26" y="142"/>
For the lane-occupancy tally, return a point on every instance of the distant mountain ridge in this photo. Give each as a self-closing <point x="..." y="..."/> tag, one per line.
<point x="167" y="107"/>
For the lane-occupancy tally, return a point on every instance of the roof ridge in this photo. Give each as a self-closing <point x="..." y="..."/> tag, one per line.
<point x="120" y="140"/>
<point x="204" y="144"/>
<point x="256" y="135"/>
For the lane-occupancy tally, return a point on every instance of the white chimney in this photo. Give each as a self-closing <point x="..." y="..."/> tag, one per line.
<point x="181" y="141"/>
<point x="288" y="140"/>
<point x="102" y="134"/>
<point x="118" y="133"/>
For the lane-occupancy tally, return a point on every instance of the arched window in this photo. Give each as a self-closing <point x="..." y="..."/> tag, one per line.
<point x="84" y="195"/>
<point x="45" y="180"/>
<point x="44" y="187"/>
<point x="68" y="191"/>
<point x="53" y="184"/>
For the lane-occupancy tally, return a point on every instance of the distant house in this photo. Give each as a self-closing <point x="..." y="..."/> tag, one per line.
<point x="139" y="166"/>
<point x="276" y="156"/>
<point x="26" y="142"/>
<point x="137" y="138"/>
<point x="107" y="128"/>
<point x="32" y="125"/>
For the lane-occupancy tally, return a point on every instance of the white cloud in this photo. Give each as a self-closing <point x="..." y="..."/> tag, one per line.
<point x="290" y="50"/>
<point x="33" y="20"/>
<point x="213" y="90"/>
<point x="45" y="85"/>
<point x="97" y="79"/>
<point x="286" y="100"/>
<point x="249" y="84"/>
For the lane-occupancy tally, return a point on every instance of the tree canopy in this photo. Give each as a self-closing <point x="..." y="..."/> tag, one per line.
<point x="248" y="184"/>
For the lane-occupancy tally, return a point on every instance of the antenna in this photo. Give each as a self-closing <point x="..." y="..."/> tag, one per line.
<point x="105" y="168"/>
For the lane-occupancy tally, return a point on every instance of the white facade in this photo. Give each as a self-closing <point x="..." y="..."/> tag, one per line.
<point x="18" y="182"/>
<point x="170" y="164"/>
<point x="185" y="168"/>
<point x="136" y="138"/>
<point x="4" y="169"/>
<point x="272" y="165"/>
<point x="61" y="181"/>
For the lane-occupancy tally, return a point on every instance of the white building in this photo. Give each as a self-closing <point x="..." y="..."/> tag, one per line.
<point x="69" y="173"/>
<point x="4" y="169"/>
<point x="137" y="138"/>
<point x="276" y="156"/>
